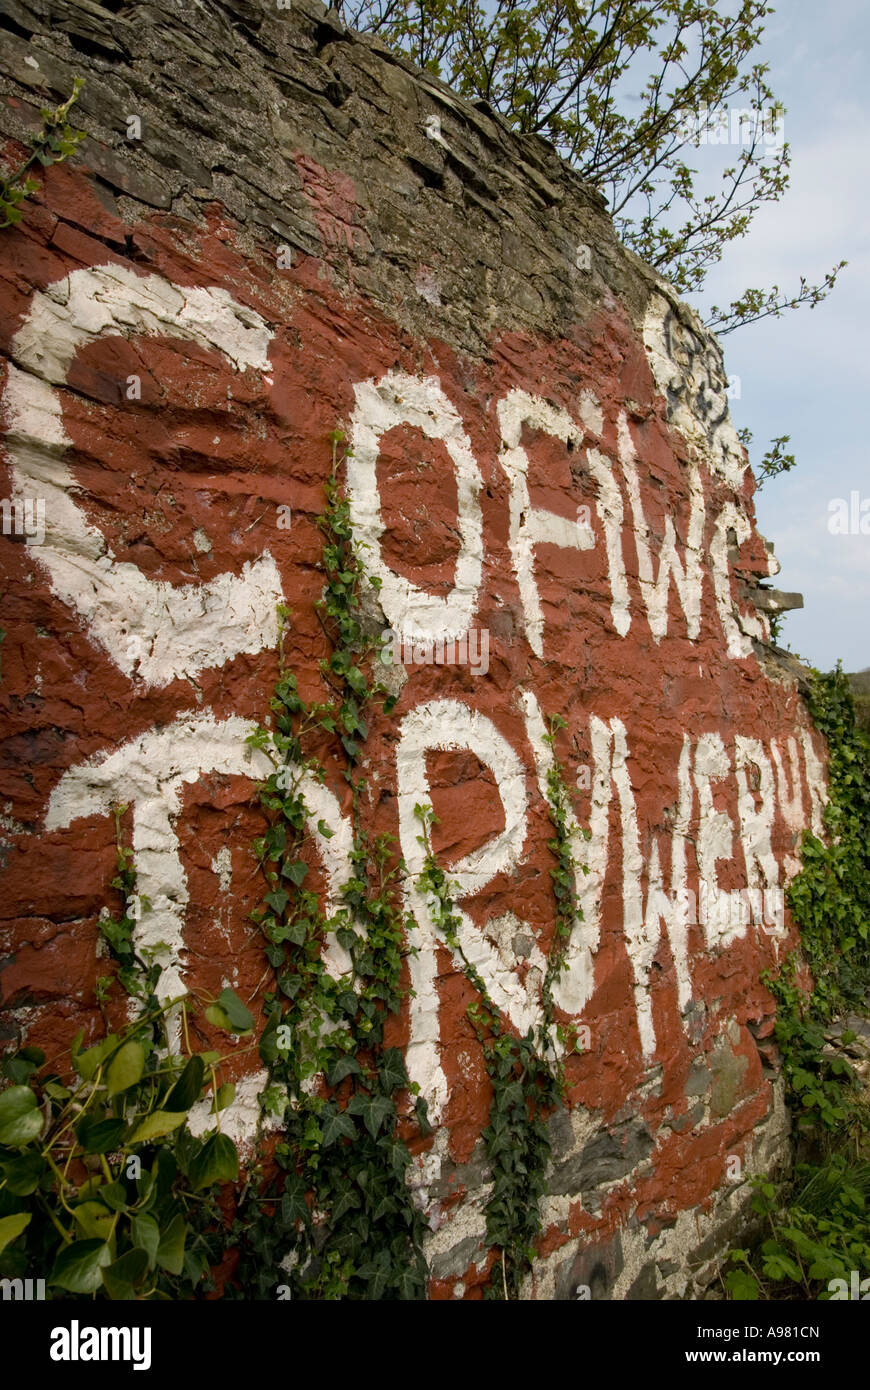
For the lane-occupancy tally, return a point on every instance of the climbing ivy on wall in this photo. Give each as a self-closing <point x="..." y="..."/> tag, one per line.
<point x="830" y="901"/>
<point x="816" y="1223"/>
<point x="338" y="1221"/>
<point x="525" y="1073"/>
<point x="100" y="1177"/>
<point x="53" y="143"/>
<point x="525" y="1090"/>
<point x="103" y="1188"/>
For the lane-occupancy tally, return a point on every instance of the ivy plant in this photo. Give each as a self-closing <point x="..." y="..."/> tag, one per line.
<point x="53" y="143"/>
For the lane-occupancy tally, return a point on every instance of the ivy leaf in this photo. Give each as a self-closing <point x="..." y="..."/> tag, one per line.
<point x="188" y="1086"/>
<point x="170" y="1251"/>
<point x="295" y="870"/>
<point x="336" y="1125"/>
<point x="217" y="1161"/>
<point x="12" y="1226"/>
<point x="375" y="1110"/>
<point x="125" y="1068"/>
<point x="21" y="1120"/>
<point x="240" y="1017"/>
<point x="78" y="1267"/>
<point x="392" y="1073"/>
<point x="346" y="1202"/>
<point x="421" y="1110"/>
<point x="121" y="1277"/>
<point x="345" y="1066"/>
<point x="377" y="1280"/>
<point x="277" y="899"/>
<point x="293" y="1204"/>
<point x="156" y="1125"/>
<point x="409" y="1283"/>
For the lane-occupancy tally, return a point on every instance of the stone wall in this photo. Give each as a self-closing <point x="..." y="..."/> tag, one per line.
<point x="306" y="233"/>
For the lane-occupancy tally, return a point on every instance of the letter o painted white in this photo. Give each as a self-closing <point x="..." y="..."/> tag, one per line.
<point x="400" y="399"/>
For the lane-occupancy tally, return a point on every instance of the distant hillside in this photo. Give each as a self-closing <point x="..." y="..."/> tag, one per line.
<point x="860" y="682"/>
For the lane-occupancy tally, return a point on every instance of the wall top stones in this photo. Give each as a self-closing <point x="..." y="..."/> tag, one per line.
<point x="237" y="100"/>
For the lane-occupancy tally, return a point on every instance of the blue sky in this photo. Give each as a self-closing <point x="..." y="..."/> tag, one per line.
<point x="806" y="374"/>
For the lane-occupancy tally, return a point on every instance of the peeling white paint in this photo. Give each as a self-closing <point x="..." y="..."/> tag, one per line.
<point x="688" y="370"/>
<point x="739" y="626"/>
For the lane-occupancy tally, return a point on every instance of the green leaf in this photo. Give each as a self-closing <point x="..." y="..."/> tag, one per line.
<point x="293" y="1204"/>
<point x="86" y="1063"/>
<point x="337" y="1125"/>
<point x="215" y="1014"/>
<point x="95" y="1220"/>
<point x="125" y="1068"/>
<point x="145" y="1234"/>
<point x="225" y="1096"/>
<point x="409" y="1283"/>
<point x="170" y="1251"/>
<point x="188" y="1086"/>
<point x="99" y="1136"/>
<point x="23" y="1064"/>
<point x="21" y="1120"/>
<point x="78" y="1266"/>
<point x="240" y="1017"/>
<point x="12" y="1226"/>
<point x="295" y="870"/>
<point x="375" y="1110"/>
<point x="121" y="1277"/>
<point x="156" y="1125"/>
<point x="114" y="1196"/>
<point x="21" y="1174"/>
<point x="346" y="1202"/>
<point x="391" y="1072"/>
<point x="345" y="1066"/>
<point x="217" y="1161"/>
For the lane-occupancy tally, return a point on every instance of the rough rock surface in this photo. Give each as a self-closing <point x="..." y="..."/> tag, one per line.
<point x="310" y="233"/>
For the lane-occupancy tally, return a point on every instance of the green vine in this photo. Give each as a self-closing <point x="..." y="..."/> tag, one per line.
<point x="339" y="1221"/>
<point x="526" y="1089"/>
<point x="326" y="1211"/>
<point x="568" y="910"/>
<point x="53" y="143"/>
<point x="819" y="1218"/>
<point x="104" y="1191"/>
